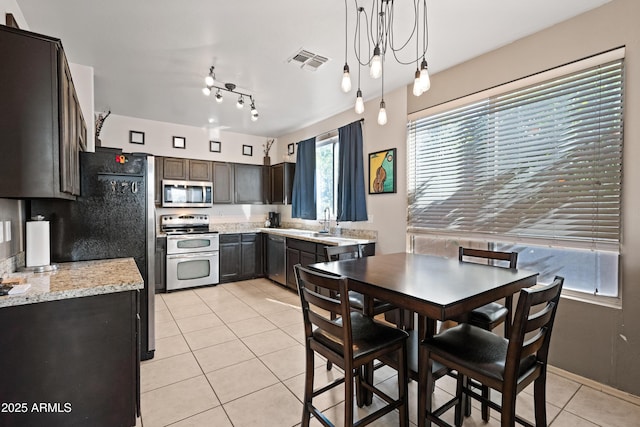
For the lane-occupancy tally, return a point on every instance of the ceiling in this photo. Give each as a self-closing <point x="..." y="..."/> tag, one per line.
<point x="150" y="58"/>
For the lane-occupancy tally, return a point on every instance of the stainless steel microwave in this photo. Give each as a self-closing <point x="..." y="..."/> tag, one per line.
<point x="180" y="194"/>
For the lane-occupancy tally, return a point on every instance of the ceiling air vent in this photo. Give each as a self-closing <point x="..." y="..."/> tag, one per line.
<point x="307" y="60"/>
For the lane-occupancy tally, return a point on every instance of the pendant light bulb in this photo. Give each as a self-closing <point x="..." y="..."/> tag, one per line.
<point x="209" y="80"/>
<point x="375" y="70"/>
<point x="240" y="103"/>
<point x="206" y="91"/>
<point x="382" y="114"/>
<point x="417" y="85"/>
<point x="254" y="112"/>
<point x="346" y="79"/>
<point x="254" y="117"/>
<point x="425" y="81"/>
<point x="359" y="108"/>
<point x="219" y="97"/>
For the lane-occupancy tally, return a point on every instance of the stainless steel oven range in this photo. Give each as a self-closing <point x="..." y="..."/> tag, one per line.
<point x="192" y="251"/>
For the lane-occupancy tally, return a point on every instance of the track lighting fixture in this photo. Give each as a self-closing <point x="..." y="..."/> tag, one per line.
<point x="211" y="83"/>
<point x="379" y="24"/>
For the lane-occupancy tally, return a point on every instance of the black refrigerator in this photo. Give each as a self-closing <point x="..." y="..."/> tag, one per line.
<point x="114" y="217"/>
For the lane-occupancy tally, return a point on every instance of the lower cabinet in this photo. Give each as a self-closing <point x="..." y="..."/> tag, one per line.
<point x="240" y="256"/>
<point x="71" y="362"/>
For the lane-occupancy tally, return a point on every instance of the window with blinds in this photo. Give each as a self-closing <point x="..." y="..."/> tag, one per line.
<point x="540" y="164"/>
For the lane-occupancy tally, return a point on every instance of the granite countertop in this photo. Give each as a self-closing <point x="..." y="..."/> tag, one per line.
<point x="314" y="236"/>
<point x="77" y="279"/>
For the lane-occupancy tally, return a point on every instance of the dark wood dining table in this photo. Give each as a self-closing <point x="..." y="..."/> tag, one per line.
<point x="435" y="288"/>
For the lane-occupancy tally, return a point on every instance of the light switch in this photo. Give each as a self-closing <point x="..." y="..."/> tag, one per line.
<point x="7" y="231"/>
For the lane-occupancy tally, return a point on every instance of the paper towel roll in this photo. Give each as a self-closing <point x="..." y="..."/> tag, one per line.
<point x="37" y="243"/>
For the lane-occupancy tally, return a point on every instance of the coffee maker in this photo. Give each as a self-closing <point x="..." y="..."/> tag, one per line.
<point x="274" y="220"/>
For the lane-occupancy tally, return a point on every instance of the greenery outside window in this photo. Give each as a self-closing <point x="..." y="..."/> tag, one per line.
<point x="327" y="176"/>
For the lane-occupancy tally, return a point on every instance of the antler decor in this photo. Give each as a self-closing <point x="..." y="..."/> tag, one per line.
<point x="99" y="122"/>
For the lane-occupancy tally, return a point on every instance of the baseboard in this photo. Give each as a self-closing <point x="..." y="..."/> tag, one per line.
<point x="628" y="397"/>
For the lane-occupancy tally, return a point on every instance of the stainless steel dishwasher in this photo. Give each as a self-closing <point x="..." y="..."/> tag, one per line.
<point x="276" y="259"/>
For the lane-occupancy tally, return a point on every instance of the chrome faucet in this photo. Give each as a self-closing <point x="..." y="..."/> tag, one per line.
<point x="326" y="221"/>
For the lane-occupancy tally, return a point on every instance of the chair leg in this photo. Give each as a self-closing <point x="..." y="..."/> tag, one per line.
<point x="403" y="389"/>
<point x="308" y="388"/>
<point x="425" y="393"/>
<point x="348" y="395"/>
<point x="463" y="400"/>
<point x="486" y="393"/>
<point x="329" y="365"/>
<point x="539" y="399"/>
<point x="508" y="413"/>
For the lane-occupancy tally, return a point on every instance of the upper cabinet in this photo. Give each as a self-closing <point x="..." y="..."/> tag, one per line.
<point x="186" y="169"/>
<point x="42" y="128"/>
<point x="233" y="183"/>
<point x="282" y="183"/>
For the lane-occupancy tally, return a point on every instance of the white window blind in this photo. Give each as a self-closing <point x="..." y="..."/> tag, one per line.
<point x="540" y="164"/>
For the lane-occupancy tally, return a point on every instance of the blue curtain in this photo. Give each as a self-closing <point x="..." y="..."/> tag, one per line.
<point x="352" y="205"/>
<point x="303" y="203"/>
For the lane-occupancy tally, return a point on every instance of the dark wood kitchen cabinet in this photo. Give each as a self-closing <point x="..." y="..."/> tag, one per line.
<point x="186" y="169"/>
<point x="42" y="128"/>
<point x="159" y="176"/>
<point x="282" y="183"/>
<point x="249" y="184"/>
<point x="240" y="256"/>
<point x="300" y="252"/>
<point x="223" y="186"/>
<point x="77" y="356"/>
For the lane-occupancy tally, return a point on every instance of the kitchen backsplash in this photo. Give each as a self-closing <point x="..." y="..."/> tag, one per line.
<point x="11" y="264"/>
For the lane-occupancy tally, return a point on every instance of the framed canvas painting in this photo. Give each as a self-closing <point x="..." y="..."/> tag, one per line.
<point x="382" y="171"/>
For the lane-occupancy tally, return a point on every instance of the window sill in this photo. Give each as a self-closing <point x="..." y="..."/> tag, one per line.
<point x="610" y="302"/>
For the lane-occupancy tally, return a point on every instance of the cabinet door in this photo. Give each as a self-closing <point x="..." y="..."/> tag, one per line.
<point x="248" y="265"/>
<point x="67" y="126"/>
<point x="293" y="258"/>
<point x="174" y="168"/>
<point x="199" y="170"/>
<point x="229" y="257"/>
<point x="277" y="184"/>
<point x="222" y="182"/>
<point x="248" y="184"/>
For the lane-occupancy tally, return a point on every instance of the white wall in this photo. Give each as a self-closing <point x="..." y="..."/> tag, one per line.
<point x="83" y="82"/>
<point x="159" y="140"/>
<point x="387" y="212"/>
<point x="10" y="6"/>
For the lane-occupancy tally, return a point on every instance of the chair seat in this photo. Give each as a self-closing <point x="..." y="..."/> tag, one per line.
<point x="369" y="336"/>
<point x="356" y="300"/>
<point x="489" y="314"/>
<point x="477" y="349"/>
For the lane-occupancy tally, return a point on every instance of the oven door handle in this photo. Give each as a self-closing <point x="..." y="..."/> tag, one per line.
<point x="193" y="255"/>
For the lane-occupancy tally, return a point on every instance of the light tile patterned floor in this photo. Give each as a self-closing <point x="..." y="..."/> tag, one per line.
<point x="233" y="355"/>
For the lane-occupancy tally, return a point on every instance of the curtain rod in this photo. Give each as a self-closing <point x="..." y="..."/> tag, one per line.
<point x="329" y="134"/>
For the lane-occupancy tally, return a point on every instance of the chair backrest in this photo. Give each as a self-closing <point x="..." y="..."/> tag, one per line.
<point x="468" y="254"/>
<point x="532" y="326"/>
<point x="320" y="295"/>
<point x="335" y="253"/>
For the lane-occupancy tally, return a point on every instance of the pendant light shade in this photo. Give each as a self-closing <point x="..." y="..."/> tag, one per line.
<point x="375" y="70"/>
<point x="240" y="103"/>
<point x="359" y="108"/>
<point x="209" y="80"/>
<point x="219" y="97"/>
<point x="206" y="91"/>
<point x="417" y="85"/>
<point x="346" y="79"/>
<point x="425" y="81"/>
<point x="382" y="114"/>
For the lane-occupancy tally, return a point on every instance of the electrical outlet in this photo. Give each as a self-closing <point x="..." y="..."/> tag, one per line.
<point x="7" y="231"/>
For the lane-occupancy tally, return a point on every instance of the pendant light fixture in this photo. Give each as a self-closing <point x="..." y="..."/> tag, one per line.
<point x="346" y="78"/>
<point x="379" y="32"/>
<point x="211" y="83"/>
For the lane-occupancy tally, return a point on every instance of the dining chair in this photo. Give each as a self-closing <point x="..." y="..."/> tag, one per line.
<point x="507" y="365"/>
<point x="350" y="341"/>
<point x="491" y="315"/>
<point x="356" y="299"/>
